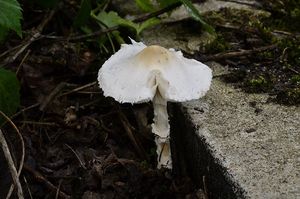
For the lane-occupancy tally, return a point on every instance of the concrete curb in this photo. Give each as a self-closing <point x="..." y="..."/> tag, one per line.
<point x="245" y="146"/>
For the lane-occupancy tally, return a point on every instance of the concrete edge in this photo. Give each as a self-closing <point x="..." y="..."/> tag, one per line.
<point x="198" y="158"/>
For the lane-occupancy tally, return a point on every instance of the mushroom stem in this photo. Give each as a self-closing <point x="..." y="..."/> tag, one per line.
<point x="161" y="129"/>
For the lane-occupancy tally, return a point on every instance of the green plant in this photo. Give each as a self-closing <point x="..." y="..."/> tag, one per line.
<point x="258" y="84"/>
<point x="83" y="13"/>
<point x="9" y="93"/>
<point x="218" y="45"/>
<point x="296" y="79"/>
<point x="111" y="19"/>
<point x="194" y="13"/>
<point x="145" y="5"/>
<point x="10" y="17"/>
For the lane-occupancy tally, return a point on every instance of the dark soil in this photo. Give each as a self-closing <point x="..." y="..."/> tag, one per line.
<point x="78" y="143"/>
<point x="275" y="69"/>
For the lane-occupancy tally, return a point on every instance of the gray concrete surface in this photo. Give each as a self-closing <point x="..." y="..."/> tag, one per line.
<point x="216" y="5"/>
<point x="255" y="141"/>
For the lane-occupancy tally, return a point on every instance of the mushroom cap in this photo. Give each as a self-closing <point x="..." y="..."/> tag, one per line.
<point x="136" y="72"/>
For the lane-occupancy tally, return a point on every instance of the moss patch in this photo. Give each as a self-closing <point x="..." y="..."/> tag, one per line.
<point x="276" y="70"/>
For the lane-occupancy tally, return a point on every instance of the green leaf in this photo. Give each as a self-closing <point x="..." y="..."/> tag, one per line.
<point x="107" y="19"/>
<point x="196" y="15"/>
<point x="9" y="93"/>
<point x="11" y="15"/>
<point x="3" y="34"/>
<point x="191" y="10"/>
<point x="145" y="5"/>
<point x="147" y="24"/>
<point x="112" y="19"/>
<point x="84" y="13"/>
<point x="166" y="3"/>
<point x="118" y="37"/>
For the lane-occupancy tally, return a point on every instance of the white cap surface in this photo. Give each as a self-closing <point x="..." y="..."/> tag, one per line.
<point x="136" y="72"/>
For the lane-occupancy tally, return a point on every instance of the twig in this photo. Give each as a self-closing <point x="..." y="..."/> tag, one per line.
<point x="205" y="187"/>
<point x="79" y="88"/>
<point x="11" y="49"/>
<point x="104" y="127"/>
<point x="39" y="177"/>
<point x="82" y="37"/>
<point x="28" y="189"/>
<point x="58" y="188"/>
<point x="34" y="37"/>
<point x="137" y="145"/>
<point x="286" y="33"/>
<point x="89" y="92"/>
<point x="89" y="103"/>
<point x="283" y="55"/>
<point x="77" y="156"/>
<point x="25" y="109"/>
<point x="23" y="60"/>
<point x="40" y="123"/>
<point x="52" y="95"/>
<point x="227" y="55"/>
<point x="23" y="151"/>
<point x="283" y="59"/>
<point x="253" y="30"/>
<point x="236" y="28"/>
<point x="293" y="70"/>
<point x="46" y="20"/>
<point x="254" y="5"/>
<point x="11" y="165"/>
<point x="111" y="29"/>
<point x="157" y="13"/>
<point x="18" y="46"/>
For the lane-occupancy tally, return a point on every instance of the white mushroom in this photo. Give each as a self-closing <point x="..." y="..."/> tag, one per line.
<point x="137" y="74"/>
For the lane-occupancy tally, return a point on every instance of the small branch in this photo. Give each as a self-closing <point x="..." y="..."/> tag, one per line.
<point x="157" y="13"/>
<point x="39" y="177"/>
<point x="281" y="32"/>
<point x="255" y="31"/>
<point x="237" y="28"/>
<point x="40" y="123"/>
<point x="57" y="192"/>
<point x="79" y="88"/>
<point x="11" y="189"/>
<point x="111" y="29"/>
<point x="36" y="35"/>
<point x="83" y="37"/>
<point x="11" y="165"/>
<point x="33" y="38"/>
<point x="205" y="188"/>
<point x="254" y="4"/>
<point x="46" y="20"/>
<point x="227" y="55"/>
<point x="28" y="189"/>
<point x="77" y="156"/>
<point x="25" y="109"/>
<point x="293" y="70"/>
<point x="52" y="95"/>
<point x="23" y="60"/>
<point x="137" y="145"/>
